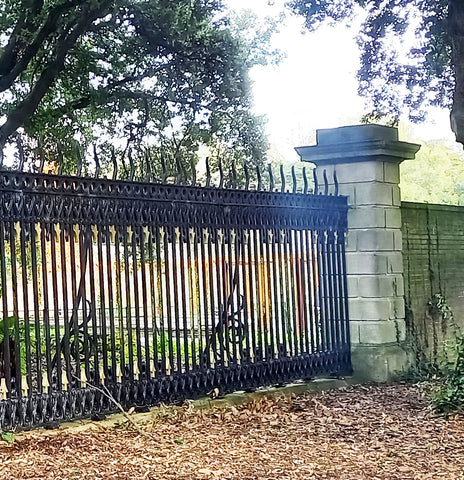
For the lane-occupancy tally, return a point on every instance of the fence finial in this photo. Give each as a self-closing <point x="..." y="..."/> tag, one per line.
<point x="233" y="174"/>
<point x="305" y="181"/>
<point x="42" y="157"/>
<point x="295" y="184"/>
<point x="97" y="162"/>
<point x="259" y="185"/>
<point x="326" y="183"/>
<point x="148" y="162"/>
<point x="60" y="159"/>
<point x="131" y="164"/>
<point x="336" y="183"/>
<point x="208" y="173"/>
<point x="115" y="163"/>
<point x="164" y="173"/>
<point x="221" y="173"/>
<point x="247" y="176"/>
<point x="316" y="183"/>
<point x="271" y="177"/>
<point x="282" y="179"/>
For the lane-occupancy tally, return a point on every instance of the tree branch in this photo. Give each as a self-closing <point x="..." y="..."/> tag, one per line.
<point x="28" y="106"/>
<point x="12" y="68"/>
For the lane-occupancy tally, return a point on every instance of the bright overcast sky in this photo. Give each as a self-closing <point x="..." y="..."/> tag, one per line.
<point x="315" y="85"/>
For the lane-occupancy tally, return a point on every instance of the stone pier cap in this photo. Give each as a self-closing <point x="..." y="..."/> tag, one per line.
<point x="357" y="143"/>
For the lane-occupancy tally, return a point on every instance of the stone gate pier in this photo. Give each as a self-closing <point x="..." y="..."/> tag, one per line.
<point x="366" y="160"/>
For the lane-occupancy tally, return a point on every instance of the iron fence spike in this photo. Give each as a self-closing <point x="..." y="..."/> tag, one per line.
<point x="131" y="165"/>
<point x="326" y="183"/>
<point x="97" y="161"/>
<point x="336" y="183"/>
<point x="221" y="174"/>
<point x="271" y="177"/>
<point x="164" y="173"/>
<point x="247" y="176"/>
<point x="208" y="173"/>
<point x="282" y="179"/>
<point x="295" y="184"/>
<point x="233" y="174"/>
<point x="115" y="163"/>
<point x="305" y="181"/>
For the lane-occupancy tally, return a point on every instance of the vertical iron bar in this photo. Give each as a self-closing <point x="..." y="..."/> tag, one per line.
<point x="143" y="236"/>
<point x="168" y="232"/>
<point x="128" y="309"/>
<point x="280" y="238"/>
<point x="164" y="298"/>
<point x="206" y="259"/>
<point x="64" y="286"/>
<point x="183" y="239"/>
<point x="6" y="322"/>
<point x="259" y="294"/>
<point x="27" y="325"/>
<point x="175" y="240"/>
<point x="14" y="284"/>
<point x="46" y="308"/>
<point x="119" y="304"/>
<point x="101" y="237"/>
<point x="136" y="231"/>
<point x="154" y="288"/>
<point x="73" y="236"/>
<point x="293" y="290"/>
<point x="54" y="236"/>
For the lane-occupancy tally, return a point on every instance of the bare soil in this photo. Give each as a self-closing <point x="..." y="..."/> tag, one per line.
<point x="360" y="432"/>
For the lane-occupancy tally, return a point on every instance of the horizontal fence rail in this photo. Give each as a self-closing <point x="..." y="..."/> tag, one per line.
<point x="147" y="293"/>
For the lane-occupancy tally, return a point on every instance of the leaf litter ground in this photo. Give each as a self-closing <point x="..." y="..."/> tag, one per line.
<point x="360" y="432"/>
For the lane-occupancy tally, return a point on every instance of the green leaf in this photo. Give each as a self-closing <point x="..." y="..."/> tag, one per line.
<point x="8" y="437"/>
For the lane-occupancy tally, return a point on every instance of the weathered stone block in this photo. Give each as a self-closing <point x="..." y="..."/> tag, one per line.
<point x="351" y="243"/>
<point x="397" y="240"/>
<point x="366" y="263"/>
<point x="353" y="289"/>
<point x="374" y="193"/>
<point x="393" y="217"/>
<point x="377" y="333"/>
<point x="366" y="217"/>
<point x="395" y="262"/>
<point x="380" y="363"/>
<point x="356" y="172"/>
<point x="354" y="332"/>
<point x="376" y="286"/>
<point x="397" y="308"/>
<point x="398" y="285"/>
<point x="396" y="196"/>
<point x="391" y="172"/>
<point x="370" y="309"/>
<point x="374" y="239"/>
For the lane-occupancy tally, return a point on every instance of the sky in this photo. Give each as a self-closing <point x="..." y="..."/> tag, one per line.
<point x="315" y="85"/>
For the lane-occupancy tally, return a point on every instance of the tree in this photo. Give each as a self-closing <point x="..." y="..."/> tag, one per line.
<point x="144" y="75"/>
<point x="429" y="72"/>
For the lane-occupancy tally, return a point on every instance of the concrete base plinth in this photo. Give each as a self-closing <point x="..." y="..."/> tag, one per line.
<point x="380" y="363"/>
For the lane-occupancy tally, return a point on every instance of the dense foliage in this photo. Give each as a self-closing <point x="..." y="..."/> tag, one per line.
<point x="412" y="53"/>
<point x="449" y="396"/>
<point x="146" y="76"/>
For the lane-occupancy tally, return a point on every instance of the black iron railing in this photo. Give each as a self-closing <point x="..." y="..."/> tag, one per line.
<point x="162" y="292"/>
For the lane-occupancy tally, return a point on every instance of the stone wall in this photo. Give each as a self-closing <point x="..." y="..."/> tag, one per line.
<point x="433" y="257"/>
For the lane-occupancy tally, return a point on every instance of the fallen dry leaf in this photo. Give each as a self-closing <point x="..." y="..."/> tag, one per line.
<point x="366" y="432"/>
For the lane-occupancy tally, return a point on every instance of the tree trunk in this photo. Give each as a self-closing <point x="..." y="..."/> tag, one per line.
<point x="456" y="32"/>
